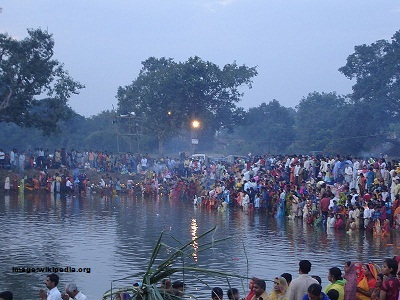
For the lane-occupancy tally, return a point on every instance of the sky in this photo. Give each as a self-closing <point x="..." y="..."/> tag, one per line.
<point x="297" y="45"/>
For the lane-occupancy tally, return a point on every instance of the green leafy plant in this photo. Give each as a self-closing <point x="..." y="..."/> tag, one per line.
<point x="181" y="260"/>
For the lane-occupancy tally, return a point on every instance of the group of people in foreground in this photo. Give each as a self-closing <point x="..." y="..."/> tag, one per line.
<point x="357" y="282"/>
<point x="52" y="292"/>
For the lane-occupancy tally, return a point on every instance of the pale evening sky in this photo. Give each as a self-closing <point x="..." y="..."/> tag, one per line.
<point x="298" y="45"/>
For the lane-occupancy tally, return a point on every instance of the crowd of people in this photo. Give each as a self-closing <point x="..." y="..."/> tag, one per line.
<point x="339" y="193"/>
<point x="357" y="281"/>
<point x="344" y="193"/>
<point x="43" y="159"/>
<point x="52" y="292"/>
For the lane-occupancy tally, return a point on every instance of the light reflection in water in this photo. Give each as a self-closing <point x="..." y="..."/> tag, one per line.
<point x="193" y="232"/>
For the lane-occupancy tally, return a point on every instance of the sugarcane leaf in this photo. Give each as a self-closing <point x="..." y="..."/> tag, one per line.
<point x="175" y="263"/>
<point x="155" y="252"/>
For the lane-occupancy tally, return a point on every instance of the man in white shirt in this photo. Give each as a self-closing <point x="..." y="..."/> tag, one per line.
<point x="51" y="283"/>
<point x="394" y="177"/>
<point x="21" y="161"/>
<point x="246" y="185"/>
<point x="367" y="215"/>
<point x="296" y="173"/>
<point x="69" y="184"/>
<point x="72" y="292"/>
<point x="12" y="159"/>
<point x="348" y="173"/>
<point x="324" y="165"/>
<point x="143" y="163"/>
<point x="356" y="167"/>
<point x="246" y="175"/>
<point x="298" y="287"/>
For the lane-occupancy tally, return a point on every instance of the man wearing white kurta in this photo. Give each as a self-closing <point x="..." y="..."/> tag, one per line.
<point x="348" y="174"/>
<point x="298" y="287"/>
<point x="72" y="292"/>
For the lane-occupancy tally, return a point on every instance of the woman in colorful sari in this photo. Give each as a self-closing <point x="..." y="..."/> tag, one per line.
<point x="362" y="184"/>
<point x="280" y="288"/>
<point x="281" y="208"/>
<point x="339" y="222"/>
<point x="385" y="228"/>
<point x="396" y="217"/>
<point x="367" y="284"/>
<point x="350" y="274"/>
<point x="251" y="293"/>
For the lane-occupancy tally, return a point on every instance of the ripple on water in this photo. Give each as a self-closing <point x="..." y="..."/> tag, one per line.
<point x="115" y="236"/>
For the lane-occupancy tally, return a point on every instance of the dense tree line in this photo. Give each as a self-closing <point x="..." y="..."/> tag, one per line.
<point x="155" y="111"/>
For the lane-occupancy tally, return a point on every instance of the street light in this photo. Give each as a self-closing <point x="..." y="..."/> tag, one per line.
<point x="195" y="124"/>
<point x="195" y="141"/>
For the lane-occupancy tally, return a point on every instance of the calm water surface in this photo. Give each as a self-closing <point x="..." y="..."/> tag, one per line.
<point x="114" y="237"/>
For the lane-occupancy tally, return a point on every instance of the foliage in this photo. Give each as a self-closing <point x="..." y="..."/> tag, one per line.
<point x="28" y="73"/>
<point x="317" y="117"/>
<point x="181" y="260"/>
<point x="376" y="93"/>
<point x="357" y="130"/>
<point x="168" y="95"/>
<point x="269" y="127"/>
<point x="78" y="133"/>
<point x="376" y="69"/>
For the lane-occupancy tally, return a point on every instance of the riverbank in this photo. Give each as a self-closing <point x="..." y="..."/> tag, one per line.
<point x="92" y="174"/>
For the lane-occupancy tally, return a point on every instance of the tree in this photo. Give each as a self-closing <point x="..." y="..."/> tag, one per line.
<point x="376" y="68"/>
<point x="376" y="93"/>
<point x="317" y="117"/>
<point x="34" y="87"/>
<point x="269" y="127"/>
<point x="167" y="95"/>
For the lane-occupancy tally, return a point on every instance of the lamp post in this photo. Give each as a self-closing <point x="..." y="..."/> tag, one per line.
<point x="195" y="141"/>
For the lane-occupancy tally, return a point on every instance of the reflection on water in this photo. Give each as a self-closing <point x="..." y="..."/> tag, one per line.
<point x="114" y="237"/>
<point x="193" y="231"/>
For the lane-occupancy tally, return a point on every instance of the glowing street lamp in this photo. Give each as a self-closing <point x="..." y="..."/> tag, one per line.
<point x="195" y="124"/>
<point x="195" y="141"/>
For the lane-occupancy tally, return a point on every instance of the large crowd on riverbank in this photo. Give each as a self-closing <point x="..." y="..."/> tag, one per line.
<point x="337" y="192"/>
<point x="343" y="193"/>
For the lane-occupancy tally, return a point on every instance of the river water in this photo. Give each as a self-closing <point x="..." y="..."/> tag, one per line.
<point x="113" y="237"/>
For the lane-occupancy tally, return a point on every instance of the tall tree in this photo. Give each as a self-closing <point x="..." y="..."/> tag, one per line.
<point x="269" y="127"/>
<point x="317" y="117"/>
<point x="167" y="95"/>
<point x="376" y="92"/>
<point x="152" y="97"/>
<point x="376" y="69"/>
<point x="34" y="87"/>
